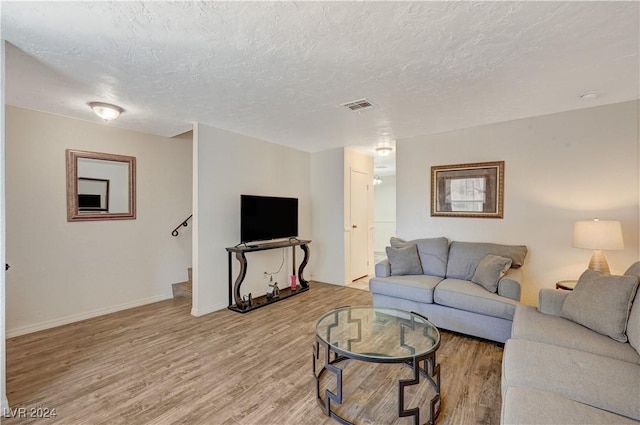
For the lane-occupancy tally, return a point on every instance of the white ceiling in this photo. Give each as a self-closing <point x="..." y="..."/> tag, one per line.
<point x="279" y="71"/>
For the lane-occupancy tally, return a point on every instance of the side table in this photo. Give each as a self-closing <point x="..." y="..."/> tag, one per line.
<point x="567" y="285"/>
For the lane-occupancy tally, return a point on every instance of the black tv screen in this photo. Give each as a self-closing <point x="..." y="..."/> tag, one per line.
<point x="266" y="217"/>
<point x="88" y="201"/>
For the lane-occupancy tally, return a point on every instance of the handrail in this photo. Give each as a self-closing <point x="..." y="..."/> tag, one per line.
<point x="184" y="223"/>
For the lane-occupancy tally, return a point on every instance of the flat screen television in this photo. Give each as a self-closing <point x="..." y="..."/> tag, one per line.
<point x="89" y="202"/>
<point x="267" y="217"/>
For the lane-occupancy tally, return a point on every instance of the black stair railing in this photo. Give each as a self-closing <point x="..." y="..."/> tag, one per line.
<point x="184" y="223"/>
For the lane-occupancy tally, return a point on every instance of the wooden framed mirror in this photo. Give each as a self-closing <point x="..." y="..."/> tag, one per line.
<point x="100" y="186"/>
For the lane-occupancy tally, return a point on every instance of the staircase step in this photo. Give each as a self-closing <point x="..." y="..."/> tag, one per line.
<point x="182" y="289"/>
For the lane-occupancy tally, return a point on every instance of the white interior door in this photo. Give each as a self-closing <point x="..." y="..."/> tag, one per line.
<point x="359" y="224"/>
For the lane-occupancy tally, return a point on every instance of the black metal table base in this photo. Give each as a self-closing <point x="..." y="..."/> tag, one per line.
<point x="430" y="370"/>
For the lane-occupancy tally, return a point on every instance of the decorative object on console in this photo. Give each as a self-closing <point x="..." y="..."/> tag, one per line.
<point x="468" y="190"/>
<point x="598" y="235"/>
<point x="273" y="291"/>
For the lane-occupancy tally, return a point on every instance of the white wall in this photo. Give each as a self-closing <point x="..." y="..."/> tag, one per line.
<point x="227" y="165"/>
<point x="331" y="194"/>
<point x="328" y="225"/>
<point x="384" y="217"/>
<point x="67" y="271"/>
<point x="559" y="168"/>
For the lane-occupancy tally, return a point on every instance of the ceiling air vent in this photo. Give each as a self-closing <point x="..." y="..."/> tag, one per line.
<point x="358" y="105"/>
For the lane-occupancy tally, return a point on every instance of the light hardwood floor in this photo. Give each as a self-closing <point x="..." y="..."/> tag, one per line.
<point x="157" y="364"/>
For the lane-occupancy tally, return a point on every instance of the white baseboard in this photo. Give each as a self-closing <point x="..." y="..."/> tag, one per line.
<point x="4" y="405"/>
<point x="48" y="324"/>
<point x="197" y="312"/>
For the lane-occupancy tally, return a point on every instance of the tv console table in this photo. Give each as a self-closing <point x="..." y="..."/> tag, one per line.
<point x="242" y="306"/>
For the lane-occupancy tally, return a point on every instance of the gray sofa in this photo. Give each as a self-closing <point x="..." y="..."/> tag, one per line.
<point x="444" y="290"/>
<point x="557" y="371"/>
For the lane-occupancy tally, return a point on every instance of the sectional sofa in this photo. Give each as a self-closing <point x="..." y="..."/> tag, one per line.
<point x="576" y="359"/>
<point x="467" y="287"/>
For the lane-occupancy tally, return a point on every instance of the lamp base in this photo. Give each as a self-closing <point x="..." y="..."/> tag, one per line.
<point x="598" y="262"/>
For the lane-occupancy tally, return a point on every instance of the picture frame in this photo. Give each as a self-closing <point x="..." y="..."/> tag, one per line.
<point x="474" y="190"/>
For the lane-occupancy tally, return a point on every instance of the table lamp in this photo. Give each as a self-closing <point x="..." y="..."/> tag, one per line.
<point x="598" y="235"/>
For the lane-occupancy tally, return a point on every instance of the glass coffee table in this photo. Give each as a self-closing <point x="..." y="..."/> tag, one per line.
<point x="377" y="335"/>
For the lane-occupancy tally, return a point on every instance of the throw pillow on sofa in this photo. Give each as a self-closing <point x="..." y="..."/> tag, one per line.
<point x="404" y="260"/>
<point x="490" y="271"/>
<point x="601" y="303"/>
<point x="433" y="253"/>
<point x="464" y="257"/>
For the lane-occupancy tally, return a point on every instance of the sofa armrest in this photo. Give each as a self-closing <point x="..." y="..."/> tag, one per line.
<point x="383" y="268"/>
<point x="509" y="285"/>
<point x="551" y="300"/>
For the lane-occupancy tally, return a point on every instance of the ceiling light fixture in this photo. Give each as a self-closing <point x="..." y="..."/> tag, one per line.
<point x="384" y="150"/>
<point x="106" y="111"/>
<point x="377" y="180"/>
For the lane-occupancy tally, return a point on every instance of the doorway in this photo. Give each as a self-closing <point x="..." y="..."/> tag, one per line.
<point x="359" y="225"/>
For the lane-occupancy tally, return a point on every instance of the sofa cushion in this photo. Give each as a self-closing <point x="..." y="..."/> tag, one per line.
<point x="464" y="257"/>
<point x="404" y="261"/>
<point x="490" y="270"/>
<point x="529" y="406"/>
<point x="588" y="378"/>
<point x="466" y="295"/>
<point x="433" y="253"/>
<point x="532" y="325"/>
<point x="633" y="325"/>
<point x="416" y="288"/>
<point x="601" y="303"/>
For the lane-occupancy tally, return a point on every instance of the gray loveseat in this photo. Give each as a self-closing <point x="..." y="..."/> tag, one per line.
<point x="558" y="371"/>
<point x="442" y="288"/>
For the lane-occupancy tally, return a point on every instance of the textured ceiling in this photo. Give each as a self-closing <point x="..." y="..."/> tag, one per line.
<point x="279" y="70"/>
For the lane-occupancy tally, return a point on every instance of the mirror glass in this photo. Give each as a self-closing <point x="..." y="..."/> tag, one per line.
<point x="100" y="186"/>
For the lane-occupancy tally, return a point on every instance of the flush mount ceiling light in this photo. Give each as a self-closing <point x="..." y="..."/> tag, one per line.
<point x="590" y="95"/>
<point x="106" y="111"/>
<point x="384" y="150"/>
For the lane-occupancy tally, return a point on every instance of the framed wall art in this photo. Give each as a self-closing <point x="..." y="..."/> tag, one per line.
<point x="468" y="190"/>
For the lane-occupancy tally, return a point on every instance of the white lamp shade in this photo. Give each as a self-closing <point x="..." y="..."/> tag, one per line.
<point x="598" y="234"/>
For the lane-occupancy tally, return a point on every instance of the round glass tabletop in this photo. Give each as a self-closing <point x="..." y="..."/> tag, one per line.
<point x="377" y="334"/>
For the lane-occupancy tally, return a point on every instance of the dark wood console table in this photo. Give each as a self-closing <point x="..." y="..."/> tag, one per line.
<point x="242" y="306"/>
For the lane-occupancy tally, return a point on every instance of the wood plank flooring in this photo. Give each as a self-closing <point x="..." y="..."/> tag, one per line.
<point x="156" y="364"/>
